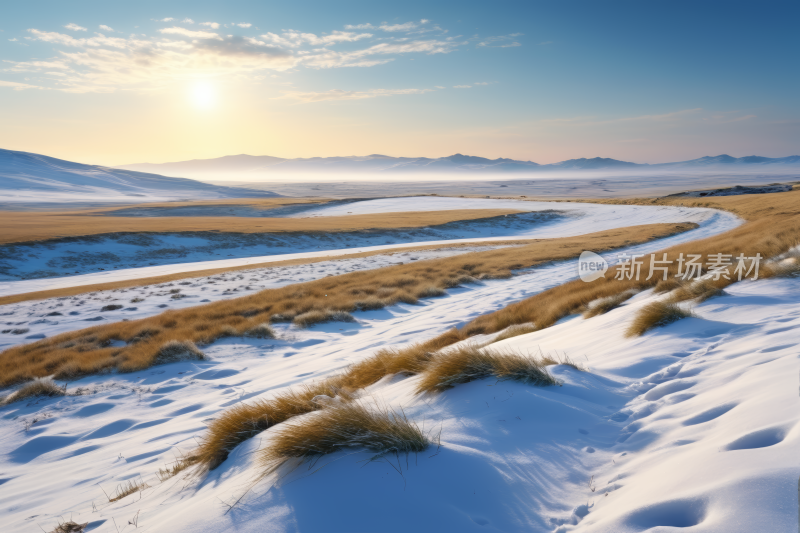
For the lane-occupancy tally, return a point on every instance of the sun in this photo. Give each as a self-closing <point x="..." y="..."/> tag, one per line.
<point x="203" y="95"/>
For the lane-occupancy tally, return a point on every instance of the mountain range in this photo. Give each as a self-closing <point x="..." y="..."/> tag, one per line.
<point x="249" y="164"/>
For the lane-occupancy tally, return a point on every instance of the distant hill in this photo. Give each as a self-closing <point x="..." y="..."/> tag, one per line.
<point x="244" y="166"/>
<point x="29" y="178"/>
<point x="726" y="160"/>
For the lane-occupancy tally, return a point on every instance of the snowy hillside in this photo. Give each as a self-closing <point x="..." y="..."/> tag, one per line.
<point x="34" y="178"/>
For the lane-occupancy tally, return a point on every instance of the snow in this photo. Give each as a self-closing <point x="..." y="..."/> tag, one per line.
<point x="694" y="424"/>
<point x="38" y="319"/>
<point x="48" y="263"/>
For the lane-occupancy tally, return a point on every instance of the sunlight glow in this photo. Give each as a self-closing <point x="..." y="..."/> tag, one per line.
<point x="203" y="95"/>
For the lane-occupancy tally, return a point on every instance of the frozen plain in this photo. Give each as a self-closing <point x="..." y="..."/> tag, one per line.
<point x="680" y="428"/>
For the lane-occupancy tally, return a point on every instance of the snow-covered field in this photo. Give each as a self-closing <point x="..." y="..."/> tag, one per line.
<point x="126" y="255"/>
<point x="38" y="319"/>
<point x="691" y="425"/>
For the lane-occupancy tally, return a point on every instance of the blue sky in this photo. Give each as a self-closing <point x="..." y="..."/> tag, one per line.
<point x="646" y="81"/>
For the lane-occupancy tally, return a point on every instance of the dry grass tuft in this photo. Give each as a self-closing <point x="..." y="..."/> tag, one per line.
<point x="515" y="331"/>
<point x="602" y="306"/>
<point x="411" y="359"/>
<point x="700" y="290"/>
<point x="175" y="468"/>
<point x="430" y="292"/>
<point x="469" y="363"/>
<point x="667" y="285"/>
<point x="36" y="388"/>
<point x="126" y="489"/>
<point x="261" y="331"/>
<point x="244" y="421"/>
<point x="656" y="315"/>
<point x="349" y="425"/>
<point x="175" y="351"/>
<point x="70" y="527"/>
<point x="319" y="316"/>
<point x="785" y="266"/>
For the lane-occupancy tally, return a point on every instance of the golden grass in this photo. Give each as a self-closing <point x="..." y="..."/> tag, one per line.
<point x="243" y="421"/>
<point x="700" y="290"/>
<point x="468" y="363"/>
<point x="320" y="316"/>
<point x="656" y="315"/>
<point x="36" y="388"/>
<point x="515" y="331"/>
<point x="340" y="426"/>
<point x="602" y="306"/>
<point x="41" y="226"/>
<point x="90" y="351"/>
<point x="261" y="331"/>
<point x="126" y="489"/>
<point x="175" y="468"/>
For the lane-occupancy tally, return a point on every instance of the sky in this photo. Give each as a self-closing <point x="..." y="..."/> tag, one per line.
<point x="647" y="81"/>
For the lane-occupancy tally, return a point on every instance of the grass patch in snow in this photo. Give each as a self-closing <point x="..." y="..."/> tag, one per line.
<point x="699" y="291"/>
<point x="468" y="363"/>
<point x="126" y="489"/>
<point x="261" y="331"/>
<point x="70" y="527"/>
<point x="319" y="316"/>
<point x="656" y="315"/>
<point x="246" y="420"/>
<point x="36" y="388"/>
<point x="176" y="351"/>
<point x="176" y="467"/>
<point x="602" y="306"/>
<point x="341" y="426"/>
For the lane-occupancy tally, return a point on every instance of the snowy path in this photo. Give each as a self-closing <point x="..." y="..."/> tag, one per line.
<point x="129" y="425"/>
<point x="578" y="219"/>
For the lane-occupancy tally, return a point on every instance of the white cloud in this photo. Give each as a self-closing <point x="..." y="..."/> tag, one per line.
<point x="292" y="38"/>
<point x="462" y="86"/>
<point x="12" y="40"/>
<point x="74" y="27"/>
<point x="18" y="86"/>
<point x="59" y="38"/>
<point x="168" y="19"/>
<point x="106" y="28"/>
<point x="193" y="34"/>
<point x="408" y="26"/>
<point x="101" y="63"/>
<point x="501" y="41"/>
<point x="359" y="27"/>
<point x="187" y="21"/>
<point x="424" y="21"/>
<point x="244" y="24"/>
<point x="212" y="25"/>
<point x="337" y="94"/>
<point x="439" y="87"/>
